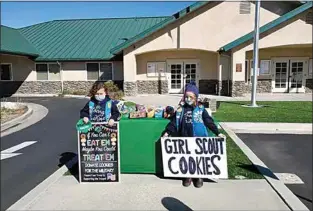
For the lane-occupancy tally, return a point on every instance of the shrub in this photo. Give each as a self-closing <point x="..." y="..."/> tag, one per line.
<point x="114" y="92"/>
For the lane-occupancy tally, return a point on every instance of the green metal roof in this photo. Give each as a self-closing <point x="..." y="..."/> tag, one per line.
<point x="268" y="26"/>
<point x="158" y="26"/>
<point x="89" y="39"/>
<point x="12" y="42"/>
<point x="84" y="39"/>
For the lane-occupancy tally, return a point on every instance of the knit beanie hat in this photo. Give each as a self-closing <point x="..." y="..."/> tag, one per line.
<point x="192" y="87"/>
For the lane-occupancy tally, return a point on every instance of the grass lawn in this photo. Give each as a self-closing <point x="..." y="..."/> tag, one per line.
<point x="238" y="163"/>
<point x="289" y="112"/>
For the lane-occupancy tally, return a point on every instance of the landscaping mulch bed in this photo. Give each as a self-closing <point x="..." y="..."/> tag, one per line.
<point x="9" y="114"/>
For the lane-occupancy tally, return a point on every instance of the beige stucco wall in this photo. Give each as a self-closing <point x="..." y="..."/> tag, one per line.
<point x="207" y="62"/>
<point x="296" y="33"/>
<point x="76" y="71"/>
<point x="279" y="52"/>
<point x="206" y="29"/>
<point x="22" y="67"/>
<point x="269" y="53"/>
<point x="209" y="29"/>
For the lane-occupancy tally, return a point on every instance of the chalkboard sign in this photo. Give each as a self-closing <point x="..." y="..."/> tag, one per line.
<point x="98" y="151"/>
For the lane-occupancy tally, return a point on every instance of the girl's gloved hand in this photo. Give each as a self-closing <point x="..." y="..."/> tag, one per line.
<point x="111" y="122"/>
<point x="221" y="135"/>
<point x="86" y="120"/>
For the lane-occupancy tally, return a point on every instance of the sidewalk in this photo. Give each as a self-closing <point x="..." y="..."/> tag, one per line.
<point x="148" y="192"/>
<point x="269" y="128"/>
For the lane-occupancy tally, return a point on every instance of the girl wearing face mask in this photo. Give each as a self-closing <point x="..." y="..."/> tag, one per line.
<point x="100" y="107"/>
<point x="191" y="120"/>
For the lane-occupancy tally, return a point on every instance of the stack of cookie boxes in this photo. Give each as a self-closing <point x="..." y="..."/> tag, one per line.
<point x="141" y="111"/>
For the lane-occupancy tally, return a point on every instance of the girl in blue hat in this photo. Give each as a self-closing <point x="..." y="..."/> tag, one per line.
<point x="191" y="120"/>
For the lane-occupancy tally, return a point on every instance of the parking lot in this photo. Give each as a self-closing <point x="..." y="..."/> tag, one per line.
<point x="286" y="153"/>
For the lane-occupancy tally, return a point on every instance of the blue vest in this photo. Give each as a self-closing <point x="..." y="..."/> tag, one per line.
<point x="107" y="110"/>
<point x="199" y="129"/>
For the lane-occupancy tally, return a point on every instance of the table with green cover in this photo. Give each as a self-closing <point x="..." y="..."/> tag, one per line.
<point x="140" y="147"/>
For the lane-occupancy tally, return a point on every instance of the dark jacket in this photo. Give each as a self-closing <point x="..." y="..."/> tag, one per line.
<point x="115" y="114"/>
<point x="186" y="127"/>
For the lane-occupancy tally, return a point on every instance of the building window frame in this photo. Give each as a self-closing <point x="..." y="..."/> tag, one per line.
<point x="47" y="64"/>
<point x="269" y="69"/>
<point x="99" y="70"/>
<point x="11" y="71"/>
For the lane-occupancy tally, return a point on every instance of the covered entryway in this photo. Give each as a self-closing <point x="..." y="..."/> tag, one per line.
<point x="289" y="74"/>
<point x="172" y="69"/>
<point x="180" y="73"/>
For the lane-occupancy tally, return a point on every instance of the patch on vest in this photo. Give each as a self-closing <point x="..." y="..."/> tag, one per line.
<point x="109" y="104"/>
<point x="198" y="116"/>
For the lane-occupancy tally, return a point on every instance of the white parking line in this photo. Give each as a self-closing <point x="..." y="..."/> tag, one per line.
<point x="18" y="147"/>
<point x="8" y="153"/>
<point x="5" y="156"/>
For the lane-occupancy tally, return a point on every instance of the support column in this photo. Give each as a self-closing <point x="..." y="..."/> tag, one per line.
<point x="130" y="72"/>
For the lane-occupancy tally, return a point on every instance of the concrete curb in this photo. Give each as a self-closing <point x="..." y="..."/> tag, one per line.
<point x="35" y="193"/>
<point x="18" y="120"/>
<point x="35" y="95"/>
<point x="76" y="96"/>
<point x="270" y="127"/>
<point x="274" y="132"/>
<point x="286" y="195"/>
<point x="38" y="113"/>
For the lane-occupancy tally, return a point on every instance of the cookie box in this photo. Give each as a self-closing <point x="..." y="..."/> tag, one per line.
<point x="150" y="112"/>
<point x="158" y="113"/>
<point x="137" y="115"/>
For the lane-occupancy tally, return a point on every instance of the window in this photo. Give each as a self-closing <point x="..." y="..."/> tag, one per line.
<point x="265" y="67"/>
<point x="310" y="66"/>
<point x="6" y="72"/>
<point x="50" y="71"/>
<point x="100" y="71"/>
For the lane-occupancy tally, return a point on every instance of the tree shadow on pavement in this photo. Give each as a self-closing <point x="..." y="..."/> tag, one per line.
<point x="65" y="159"/>
<point x="258" y="170"/>
<point x="173" y="204"/>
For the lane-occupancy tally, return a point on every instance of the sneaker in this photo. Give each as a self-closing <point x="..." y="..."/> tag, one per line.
<point x="186" y="182"/>
<point x="198" y="183"/>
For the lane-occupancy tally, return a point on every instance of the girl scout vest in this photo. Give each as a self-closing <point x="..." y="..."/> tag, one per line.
<point x="106" y="109"/>
<point x="199" y="129"/>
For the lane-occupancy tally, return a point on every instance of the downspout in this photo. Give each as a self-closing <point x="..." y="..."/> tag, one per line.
<point x="61" y="74"/>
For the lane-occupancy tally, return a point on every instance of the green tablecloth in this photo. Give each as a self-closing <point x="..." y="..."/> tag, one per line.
<point x="140" y="148"/>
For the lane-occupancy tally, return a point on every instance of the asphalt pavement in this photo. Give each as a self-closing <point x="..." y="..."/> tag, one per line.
<point x="286" y="153"/>
<point x="48" y="144"/>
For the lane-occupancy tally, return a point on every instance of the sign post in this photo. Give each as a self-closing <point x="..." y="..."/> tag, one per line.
<point x="255" y="53"/>
<point x="98" y="153"/>
<point x="194" y="157"/>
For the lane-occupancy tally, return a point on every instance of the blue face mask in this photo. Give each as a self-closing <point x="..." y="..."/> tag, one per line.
<point x="100" y="97"/>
